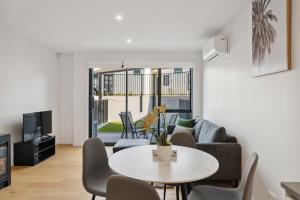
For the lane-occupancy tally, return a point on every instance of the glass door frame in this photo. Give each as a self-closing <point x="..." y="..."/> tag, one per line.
<point x="91" y="98"/>
<point x="159" y="87"/>
<point x="157" y="92"/>
<point x="190" y="110"/>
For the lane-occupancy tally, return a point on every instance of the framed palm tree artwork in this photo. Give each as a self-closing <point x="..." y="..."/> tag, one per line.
<point x="271" y="36"/>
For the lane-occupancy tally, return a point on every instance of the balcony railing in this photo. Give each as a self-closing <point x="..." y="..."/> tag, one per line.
<point x="146" y="84"/>
<point x="100" y="111"/>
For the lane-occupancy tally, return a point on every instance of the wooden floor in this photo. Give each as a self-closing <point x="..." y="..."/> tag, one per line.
<point x="58" y="178"/>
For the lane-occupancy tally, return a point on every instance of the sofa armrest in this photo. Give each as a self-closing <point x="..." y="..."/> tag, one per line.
<point x="231" y="139"/>
<point x="229" y="157"/>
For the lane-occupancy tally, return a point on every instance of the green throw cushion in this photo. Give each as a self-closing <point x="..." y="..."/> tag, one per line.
<point x="188" y="123"/>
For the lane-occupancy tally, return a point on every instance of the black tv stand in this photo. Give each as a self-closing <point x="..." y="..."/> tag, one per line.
<point x="40" y="139"/>
<point x="44" y="137"/>
<point x="33" y="152"/>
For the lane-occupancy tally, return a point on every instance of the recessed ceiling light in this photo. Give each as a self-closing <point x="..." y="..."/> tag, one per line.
<point x="119" y="17"/>
<point x="129" y="41"/>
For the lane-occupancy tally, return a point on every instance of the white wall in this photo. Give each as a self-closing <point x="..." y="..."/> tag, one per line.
<point x="28" y="75"/>
<point x="262" y="112"/>
<point x="83" y="60"/>
<point x="65" y="98"/>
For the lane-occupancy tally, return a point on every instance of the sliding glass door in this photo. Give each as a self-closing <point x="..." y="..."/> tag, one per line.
<point x="134" y="93"/>
<point x="109" y="102"/>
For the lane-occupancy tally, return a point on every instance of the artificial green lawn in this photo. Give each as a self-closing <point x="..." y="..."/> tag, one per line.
<point x="113" y="126"/>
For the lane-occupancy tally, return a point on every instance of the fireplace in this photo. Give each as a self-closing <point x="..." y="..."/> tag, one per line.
<point x="5" y="166"/>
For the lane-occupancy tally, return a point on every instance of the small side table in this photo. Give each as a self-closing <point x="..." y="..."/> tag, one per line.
<point x="292" y="190"/>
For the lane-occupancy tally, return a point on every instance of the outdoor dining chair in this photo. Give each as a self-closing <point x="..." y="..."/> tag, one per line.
<point x="131" y="127"/>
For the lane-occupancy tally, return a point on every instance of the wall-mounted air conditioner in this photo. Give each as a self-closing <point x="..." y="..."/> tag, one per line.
<point x="215" y="47"/>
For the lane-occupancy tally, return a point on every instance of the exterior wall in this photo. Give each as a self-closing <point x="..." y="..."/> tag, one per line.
<point x="116" y="104"/>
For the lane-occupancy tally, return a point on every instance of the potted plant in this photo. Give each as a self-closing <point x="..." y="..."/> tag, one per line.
<point x="164" y="146"/>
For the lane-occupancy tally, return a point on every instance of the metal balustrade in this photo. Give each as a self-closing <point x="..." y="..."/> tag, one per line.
<point x="146" y="84"/>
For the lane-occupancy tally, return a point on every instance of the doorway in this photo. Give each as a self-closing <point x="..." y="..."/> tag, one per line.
<point x="135" y="92"/>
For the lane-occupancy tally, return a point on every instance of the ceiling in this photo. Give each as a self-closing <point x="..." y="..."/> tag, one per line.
<point x="80" y="25"/>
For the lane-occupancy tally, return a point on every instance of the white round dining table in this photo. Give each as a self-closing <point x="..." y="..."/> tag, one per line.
<point x="139" y="163"/>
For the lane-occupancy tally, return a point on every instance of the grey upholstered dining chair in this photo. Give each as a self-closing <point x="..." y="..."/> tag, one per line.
<point x="185" y="140"/>
<point x="95" y="171"/>
<point x="124" y="188"/>
<point x="243" y="192"/>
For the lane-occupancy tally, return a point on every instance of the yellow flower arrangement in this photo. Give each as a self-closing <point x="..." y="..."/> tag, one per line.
<point x="162" y="108"/>
<point x="151" y="118"/>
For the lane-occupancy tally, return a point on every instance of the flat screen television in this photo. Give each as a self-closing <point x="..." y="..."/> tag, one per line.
<point x="36" y="125"/>
<point x="31" y="126"/>
<point x="46" y="122"/>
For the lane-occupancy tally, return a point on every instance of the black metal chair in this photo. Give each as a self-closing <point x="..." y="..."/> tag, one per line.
<point x="135" y="124"/>
<point x="173" y="119"/>
<point x="154" y="128"/>
<point x="163" y="124"/>
<point x="131" y="128"/>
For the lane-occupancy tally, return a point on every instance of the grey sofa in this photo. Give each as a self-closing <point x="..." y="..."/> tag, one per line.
<point x="214" y="140"/>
